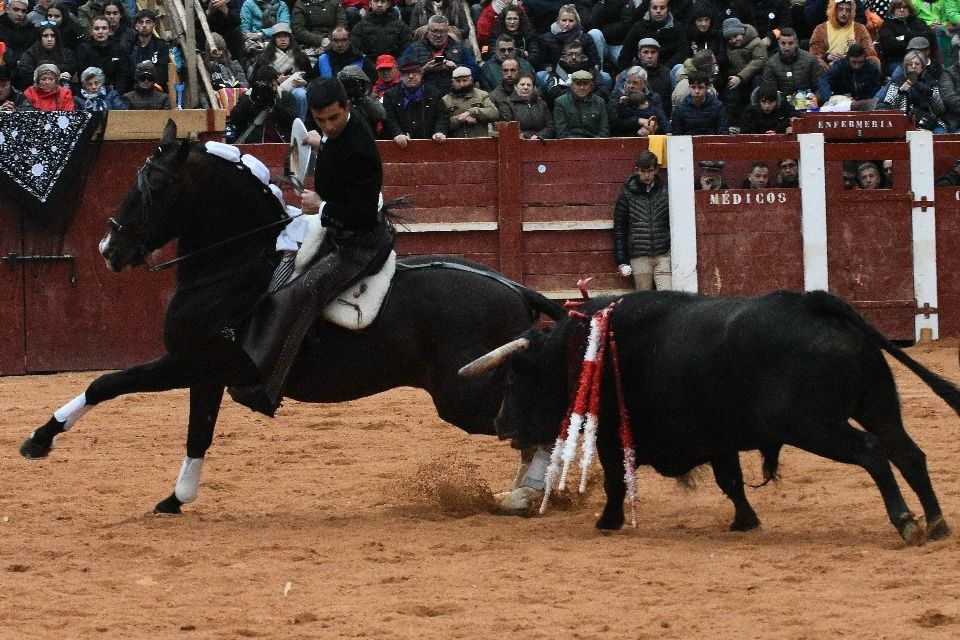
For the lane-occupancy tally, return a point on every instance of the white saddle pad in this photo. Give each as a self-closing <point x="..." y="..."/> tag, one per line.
<point x="357" y="307"/>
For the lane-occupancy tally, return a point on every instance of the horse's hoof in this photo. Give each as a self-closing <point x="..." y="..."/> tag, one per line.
<point x="170" y="504"/>
<point x="745" y="524"/>
<point x="911" y="532"/>
<point x="522" y="501"/>
<point x="31" y="448"/>
<point x="937" y="529"/>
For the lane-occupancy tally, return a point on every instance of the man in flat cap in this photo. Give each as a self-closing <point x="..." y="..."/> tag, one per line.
<point x="470" y="109"/>
<point x="581" y="113"/>
<point x="711" y="175"/>
<point x="414" y="109"/>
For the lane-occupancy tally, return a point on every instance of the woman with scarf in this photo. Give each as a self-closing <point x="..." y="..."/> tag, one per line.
<point x="528" y="109"/>
<point x="100" y="50"/>
<point x="291" y="63"/>
<point x="917" y="96"/>
<point x="46" y="94"/>
<point x="95" y="95"/>
<point x="71" y="33"/>
<point x="47" y="49"/>
<point x="514" y="22"/>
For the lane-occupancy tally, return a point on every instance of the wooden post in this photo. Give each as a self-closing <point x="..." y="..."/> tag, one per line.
<point x="185" y="32"/>
<point x="509" y="211"/>
<point x="191" y="95"/>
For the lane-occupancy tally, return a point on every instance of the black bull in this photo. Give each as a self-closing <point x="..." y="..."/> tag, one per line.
<point x="705" y="378"/>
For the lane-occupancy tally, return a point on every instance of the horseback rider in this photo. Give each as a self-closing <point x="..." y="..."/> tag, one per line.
<point x="347" y="183"/>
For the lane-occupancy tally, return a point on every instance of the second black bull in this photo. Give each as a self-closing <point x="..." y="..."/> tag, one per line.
<point x="707" y="377"/>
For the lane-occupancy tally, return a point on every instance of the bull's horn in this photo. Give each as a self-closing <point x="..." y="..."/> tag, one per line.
<point x="494" y="358"/>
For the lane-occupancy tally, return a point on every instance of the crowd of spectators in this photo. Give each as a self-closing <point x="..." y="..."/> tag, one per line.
<point x="449" y="68"/>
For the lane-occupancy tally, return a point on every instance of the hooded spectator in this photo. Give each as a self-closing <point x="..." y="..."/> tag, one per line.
<point x="830" y="39"/>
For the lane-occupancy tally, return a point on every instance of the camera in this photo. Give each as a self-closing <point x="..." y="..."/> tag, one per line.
<point x="263" y="94"/>
<point x="439" y="59"/>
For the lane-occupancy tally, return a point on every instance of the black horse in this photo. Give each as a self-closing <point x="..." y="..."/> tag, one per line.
<point x="440" y="314"/>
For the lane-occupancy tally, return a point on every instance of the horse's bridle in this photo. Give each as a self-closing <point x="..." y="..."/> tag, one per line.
<point x="146" y="191"/>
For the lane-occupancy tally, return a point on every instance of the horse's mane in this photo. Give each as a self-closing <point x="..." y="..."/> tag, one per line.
<point x="249" y="165"/>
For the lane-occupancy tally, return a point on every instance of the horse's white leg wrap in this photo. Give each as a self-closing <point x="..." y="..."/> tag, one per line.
<point x="69" y="413"/>
<point x="534" y="476"/>
<point x="188" y="482"/>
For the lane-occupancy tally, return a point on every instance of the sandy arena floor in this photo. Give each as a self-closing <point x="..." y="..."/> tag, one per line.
<point x="369" y="520"/>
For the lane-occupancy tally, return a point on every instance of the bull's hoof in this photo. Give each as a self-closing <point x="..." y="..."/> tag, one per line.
<point x="911" y="531"/>
<point x="522" y="501"/>
<point x="938" y="529"/>
<point x="610" y="521"/>
<point x="35" y="447"/>
<point x="171" y="504"/>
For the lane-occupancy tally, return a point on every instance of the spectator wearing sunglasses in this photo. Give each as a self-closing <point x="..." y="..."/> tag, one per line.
<point x="491" y="72"/>
<point x="146" y="92"/>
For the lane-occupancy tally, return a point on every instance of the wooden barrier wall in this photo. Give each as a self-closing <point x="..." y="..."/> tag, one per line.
<point x="541" y="212"/>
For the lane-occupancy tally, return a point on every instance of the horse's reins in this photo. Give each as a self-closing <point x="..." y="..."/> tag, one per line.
<point x="144" y="185"/>
<point x="215" y="245"/>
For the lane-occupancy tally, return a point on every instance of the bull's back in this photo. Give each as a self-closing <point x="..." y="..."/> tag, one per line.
<point x="710" y="373"/>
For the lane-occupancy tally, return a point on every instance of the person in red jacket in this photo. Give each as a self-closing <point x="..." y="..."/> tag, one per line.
<point x="46" y="94"/>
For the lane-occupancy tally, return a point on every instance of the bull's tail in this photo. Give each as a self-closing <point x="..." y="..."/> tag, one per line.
<point x="824" y="302"/>
<point x="540" y="304"/>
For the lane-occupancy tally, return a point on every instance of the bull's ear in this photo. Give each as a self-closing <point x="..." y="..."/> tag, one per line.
<point x="169" y="133"/>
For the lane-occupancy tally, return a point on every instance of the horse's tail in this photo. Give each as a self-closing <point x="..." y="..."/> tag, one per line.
<point x="826" y="303"/>
<point x="389" y="206"/>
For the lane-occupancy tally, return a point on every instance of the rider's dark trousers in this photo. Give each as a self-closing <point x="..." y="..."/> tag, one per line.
<point x="281" y="321"/>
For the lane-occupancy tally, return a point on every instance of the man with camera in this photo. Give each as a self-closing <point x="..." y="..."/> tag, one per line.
<point x="265" y="113"/>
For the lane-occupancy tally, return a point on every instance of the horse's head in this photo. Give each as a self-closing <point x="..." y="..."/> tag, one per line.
<point x="143" y="222"/>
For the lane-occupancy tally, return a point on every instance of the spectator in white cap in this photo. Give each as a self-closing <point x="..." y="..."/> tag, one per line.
<point x="658" y="76"/>
<point x="470" y="109"/>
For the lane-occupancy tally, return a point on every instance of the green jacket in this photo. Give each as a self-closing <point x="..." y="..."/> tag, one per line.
<point x="929" y="12"/>
<point x="577" y="118"/>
